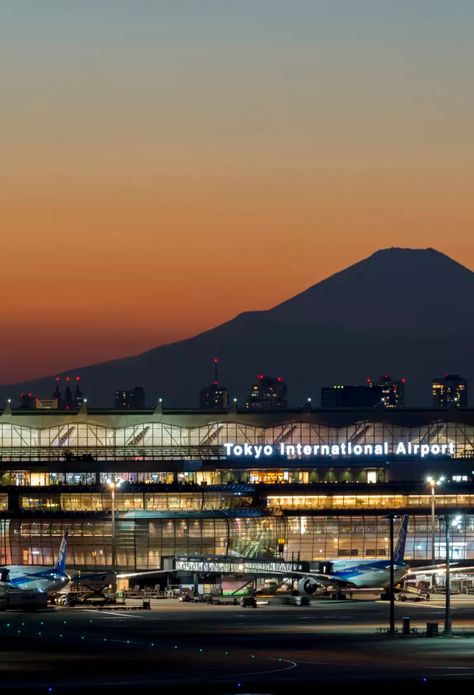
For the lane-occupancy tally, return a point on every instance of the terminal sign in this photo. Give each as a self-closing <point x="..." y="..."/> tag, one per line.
<point x="259" y="451"/>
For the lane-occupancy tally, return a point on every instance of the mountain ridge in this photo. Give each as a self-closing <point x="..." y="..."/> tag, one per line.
<point x="399" y="311"/>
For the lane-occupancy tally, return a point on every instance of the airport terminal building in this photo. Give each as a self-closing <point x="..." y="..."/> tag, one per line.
<point x="296" y="484"/>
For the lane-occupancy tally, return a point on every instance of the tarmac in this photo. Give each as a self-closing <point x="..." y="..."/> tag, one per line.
<point x="185" y="647"/>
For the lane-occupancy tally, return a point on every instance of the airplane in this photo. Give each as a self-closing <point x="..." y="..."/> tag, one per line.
<point x="42" y="579"/>
<point x="360" y="574"/>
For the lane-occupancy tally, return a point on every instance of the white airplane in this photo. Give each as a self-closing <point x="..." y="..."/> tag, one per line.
<point x="43" y="579"/>
<point x="360" y="574"/>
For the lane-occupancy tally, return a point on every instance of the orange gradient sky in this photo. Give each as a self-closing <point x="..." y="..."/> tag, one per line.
<point x="165" y="166"/>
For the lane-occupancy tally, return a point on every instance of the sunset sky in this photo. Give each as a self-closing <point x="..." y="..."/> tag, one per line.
<point x="167" y="164"/>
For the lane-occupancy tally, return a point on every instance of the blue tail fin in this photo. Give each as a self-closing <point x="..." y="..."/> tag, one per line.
<point x="60" y="566"/>
<point x="402" y="537"/>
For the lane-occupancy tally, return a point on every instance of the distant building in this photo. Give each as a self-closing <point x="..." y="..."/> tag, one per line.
<point x="450" y="391"/>
<point x="67" y="399"/>
<point x="68" y="402"/>
<point x="214" y="396"/>
<point x="130" y="400"/>
<point x="57" y="395"/>
<point x="46" y="403"/>
<point x="78" y="397"/>
<point x="267" y="393"/>
<point x="341" y="396"/>
<point x="27" y="401"/>
<point x="393" y="391"/>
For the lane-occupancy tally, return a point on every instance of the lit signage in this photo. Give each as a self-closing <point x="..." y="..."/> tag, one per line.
<point x="237" y="565"/>
<point x="260" y="451"/>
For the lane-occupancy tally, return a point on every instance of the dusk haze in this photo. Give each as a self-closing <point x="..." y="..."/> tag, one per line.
<point x="237" y="346"/>
<point x="168" y="165"/>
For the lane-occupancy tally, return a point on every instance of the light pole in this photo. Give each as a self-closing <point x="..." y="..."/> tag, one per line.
<point x="433" y="483"/>
<point x="455" y="522"/>
<point x="113" y="484"/>
<point x="392" y="580"/>
<point x="447" y="605"/>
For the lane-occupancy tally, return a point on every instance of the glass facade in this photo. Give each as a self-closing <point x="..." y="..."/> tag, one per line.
<point x="183" y="492"/>
<point x="143" y="543"/>
<point x="71" y="439"/>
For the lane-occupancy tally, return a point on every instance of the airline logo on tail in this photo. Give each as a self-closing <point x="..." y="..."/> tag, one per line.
<point x="399" y="553"/>
<point x="60" y="566"/>
<point x="38" y="578"/>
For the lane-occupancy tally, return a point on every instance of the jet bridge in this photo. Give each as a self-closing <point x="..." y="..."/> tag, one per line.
<point x="238" y="565"/>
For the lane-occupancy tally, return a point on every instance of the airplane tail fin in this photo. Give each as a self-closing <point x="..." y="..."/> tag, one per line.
<point x="60" y="566"/>
<point x="402" y="537"/>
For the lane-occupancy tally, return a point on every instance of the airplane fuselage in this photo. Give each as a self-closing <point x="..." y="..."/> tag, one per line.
<point x="368" y="574"/>
<point x="35" y="578"/>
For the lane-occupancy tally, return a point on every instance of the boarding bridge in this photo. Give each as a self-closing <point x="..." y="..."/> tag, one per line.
<point x="238" y="565"/>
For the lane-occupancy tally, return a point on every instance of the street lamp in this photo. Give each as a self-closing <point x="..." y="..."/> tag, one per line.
<point x="455" y="522"/>
<point x="113" y="484"/>
<point x="391" y="590"/>
<point x="433" y="483"/>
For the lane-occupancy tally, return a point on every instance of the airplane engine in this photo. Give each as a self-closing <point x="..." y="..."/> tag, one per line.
<point x="307" y="586"/>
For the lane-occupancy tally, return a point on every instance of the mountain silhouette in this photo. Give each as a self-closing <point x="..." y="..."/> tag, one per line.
<point x="406" y="312"/>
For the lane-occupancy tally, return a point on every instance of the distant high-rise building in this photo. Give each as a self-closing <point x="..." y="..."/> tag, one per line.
<point x="341" y="396"/>
<point x="67" y="399"/>
<point x="130" y="400"/>
<point x="27" y="401"/>
<point x="393" y="391"/>
<point x="78" y="397"/>
<point x="450" y="391"/>
<point x="57" y="395"/>
<point x="268" y="392"/>
<point x="214" y="396"/>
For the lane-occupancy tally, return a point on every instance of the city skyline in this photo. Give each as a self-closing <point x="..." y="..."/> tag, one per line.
<point x="380" y="312"/>
<point x="155" y="153"/>
<point x="237" y="345"/>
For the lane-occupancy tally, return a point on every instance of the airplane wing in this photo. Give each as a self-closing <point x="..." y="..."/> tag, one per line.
<point x="149" y="573"/>
<point x="439" y="569"/>
<point x="320" y="578"/>
<point x="91" y="576"/>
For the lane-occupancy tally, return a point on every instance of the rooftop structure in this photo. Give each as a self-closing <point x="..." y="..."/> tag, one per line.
<point x="194" y="482"/>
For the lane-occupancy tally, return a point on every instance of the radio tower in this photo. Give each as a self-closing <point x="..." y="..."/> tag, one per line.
<point x="214" y="397"/>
